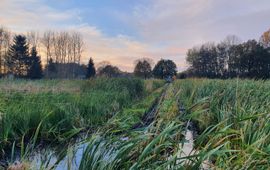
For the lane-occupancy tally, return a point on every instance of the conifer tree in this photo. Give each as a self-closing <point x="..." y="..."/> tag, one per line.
<point x="18" y="57"/>
<point x="91" y="71"/>
<point x="35" y="68"/>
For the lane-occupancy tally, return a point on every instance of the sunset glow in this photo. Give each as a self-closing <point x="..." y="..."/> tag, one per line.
<point x="121" y="31"/>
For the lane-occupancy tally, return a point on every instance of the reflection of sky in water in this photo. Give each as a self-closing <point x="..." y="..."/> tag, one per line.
<point x="47" y="158"/>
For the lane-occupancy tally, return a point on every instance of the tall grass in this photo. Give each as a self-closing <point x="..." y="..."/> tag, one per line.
<point x="230" y="116"/>
<point x="141" y="125"/>
<point x="234" y="116"/>
<point x="53" y="116"/>
<point x="146" y="147"/>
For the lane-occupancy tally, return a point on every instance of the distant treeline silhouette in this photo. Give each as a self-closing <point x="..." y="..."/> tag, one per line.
<point x="62" y="53"/>
<point x="230" y="59"/>
<point x="19" y="58"/>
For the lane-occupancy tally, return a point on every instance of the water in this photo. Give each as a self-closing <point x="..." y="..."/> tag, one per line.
<point x="187" y="146"/>
<point x="48" y="158"/>
<point x="187" y="149"/>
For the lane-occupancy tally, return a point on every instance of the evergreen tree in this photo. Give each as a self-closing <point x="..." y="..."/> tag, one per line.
<point x="165" y="69"/>
<point x="18" y="57"/>
<point x="35" y="68"/>
<point x="91" y="71"/>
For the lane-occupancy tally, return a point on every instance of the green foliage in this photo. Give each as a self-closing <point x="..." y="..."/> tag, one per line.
<point x="62" y="112"/>
<point x="165" y="69"/>
<point x="124" y="120"/>
<point x="232" y="115"/>
<point x="152" y="146"/>
<point x="233" y="127"/>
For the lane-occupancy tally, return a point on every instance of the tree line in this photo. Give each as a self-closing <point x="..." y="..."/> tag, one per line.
<point x="63" y="51"/>
<point x="162" y="70"/>
<point x="20" y="62"/>
<point x="143" y="69"/>
<point x="20" y="58"/>
<point x="230" y="59"/>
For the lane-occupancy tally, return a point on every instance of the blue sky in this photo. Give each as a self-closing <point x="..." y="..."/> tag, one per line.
<point x="122" y="31"/>
<point x="104" y="14"/>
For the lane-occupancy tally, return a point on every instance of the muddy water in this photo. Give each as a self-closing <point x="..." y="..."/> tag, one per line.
<point x="187" y="149"/>
<point x="187" y="146"/>
<point x="50" y="159"/>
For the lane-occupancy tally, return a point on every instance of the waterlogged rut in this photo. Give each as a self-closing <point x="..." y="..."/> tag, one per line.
<point x="72" y="156"/>
<point x="155" y="123"/>
<point x="187" y="149"/>
<point x="149" y="116"/>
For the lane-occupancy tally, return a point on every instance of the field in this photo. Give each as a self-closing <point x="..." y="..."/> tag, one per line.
<point x="137" y="124"/>
<point x="51" y="112"/>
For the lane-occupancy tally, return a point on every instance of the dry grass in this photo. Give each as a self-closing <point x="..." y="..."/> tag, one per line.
<point x="38" y="86"/>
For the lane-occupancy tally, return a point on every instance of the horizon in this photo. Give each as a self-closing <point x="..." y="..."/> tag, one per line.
<point x="122" y="32"/>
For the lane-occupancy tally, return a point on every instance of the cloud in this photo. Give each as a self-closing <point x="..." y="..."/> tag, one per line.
<point x="189" y="22"/>
<point x="121" y="50"/>
<point x="25" y="15"/>
<point x="161" y="28"/>
<point x="181" y="24"/>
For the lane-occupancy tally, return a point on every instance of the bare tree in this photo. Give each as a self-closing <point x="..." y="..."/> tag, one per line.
<point x="1" y="48"/>
<point x="149" y="60"/>
<point x="224" y="48"/>
<point x="102" y="65"/>
<point x="33" y="39"/>
<point x="7" y="44"/>
<point x="231" y="40"/>
<point x="77" y="46"/>
<point x="65" y="49"/>
<point x="5" y="39"/>
<point x="47" y="42"/>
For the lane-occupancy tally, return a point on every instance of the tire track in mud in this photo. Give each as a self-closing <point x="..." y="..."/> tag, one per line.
<point x="150" y="116"/>
<point x="187" y="147"/>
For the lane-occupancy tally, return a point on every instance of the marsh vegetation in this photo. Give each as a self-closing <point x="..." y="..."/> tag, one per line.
<point x="137" y="124"/>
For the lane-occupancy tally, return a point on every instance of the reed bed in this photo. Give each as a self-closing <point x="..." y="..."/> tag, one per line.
<point x="232" y="118"/>
<point x="39" y="114"/>
<point x="141" y="124"/>
<point x="141" y="147"/>
<point x="230" y="124"/>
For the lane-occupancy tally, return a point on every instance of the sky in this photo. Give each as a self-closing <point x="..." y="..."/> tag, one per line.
<point x="121" y="31"/>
